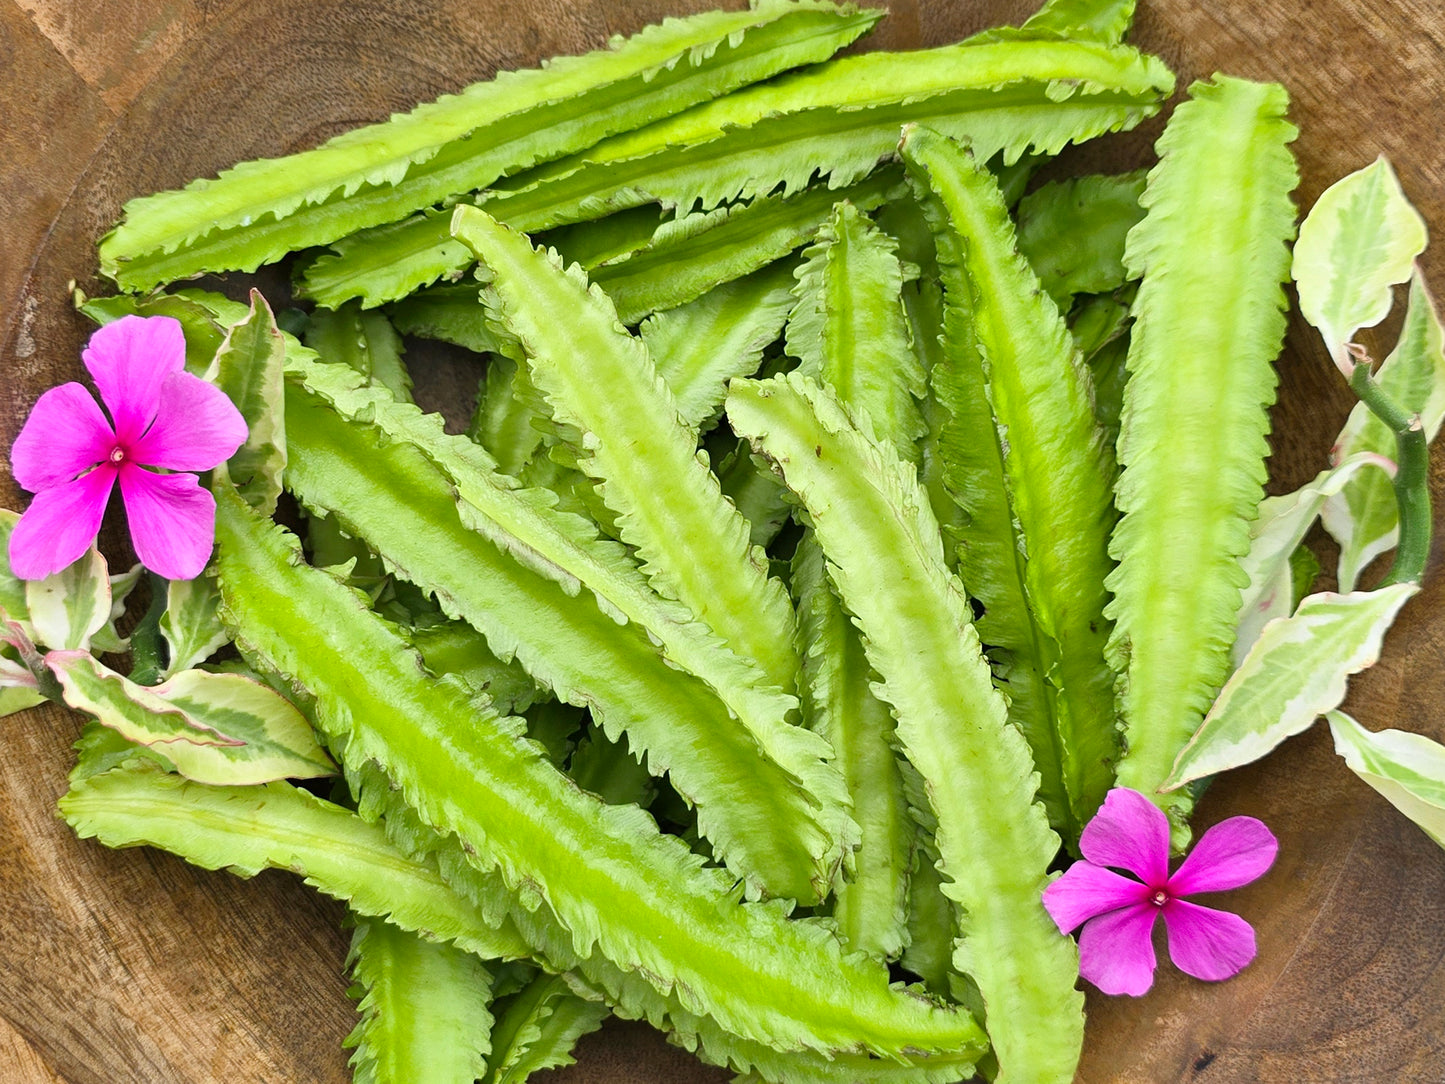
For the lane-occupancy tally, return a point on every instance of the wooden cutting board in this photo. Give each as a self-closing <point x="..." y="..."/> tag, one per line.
<point x="132" y="968"/>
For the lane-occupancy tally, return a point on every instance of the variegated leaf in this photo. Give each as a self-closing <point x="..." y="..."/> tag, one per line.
<point x="1275" y="535"/>
<point x="249" y="368"/>
<point x="192" y="630"/>
<point x="215" y="728"/>
<point x="1408" y="769"/>
<point x="14" y="698"/>
<point x="1360" y="239"/>
<point x="1295" y="672"/>
<point x="12" y="588"/>
<point x="72" y="605"/>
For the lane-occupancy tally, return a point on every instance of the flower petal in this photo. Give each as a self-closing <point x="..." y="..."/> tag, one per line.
<point x="172" y="521"/>
<point x="196" y="426"/>
<point x="1116" y="951"/>
<point x="65" y="434"/>
<point x="1086" y="890"/>
<point x="128" y="359"/>
<point x="1129" y="832"/>
<point x="60" y="524"/>
<point x="1232" y="853"/>
<point x="1206" y="943"/>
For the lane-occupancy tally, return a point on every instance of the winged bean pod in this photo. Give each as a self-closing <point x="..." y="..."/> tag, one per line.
<point x="502" y="559"/>
<point x="964" y="472"/>
<point x="537" y="1027"/>
<point x="1057" y="466"/>
<point x="613" y="882"/>
<point x="601" y="381"/>
<point x="279" y="826"/>
<point x="1209" y="320"/>
<point x="259" y="211"/>
<point x="423" y="1005"/>
<point x="885" y="557"/>
<point x="1007" y="96"/>
<point x="850" y="331"/>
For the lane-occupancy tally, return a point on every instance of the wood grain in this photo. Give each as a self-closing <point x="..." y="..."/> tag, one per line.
<point x="131" y="968"/>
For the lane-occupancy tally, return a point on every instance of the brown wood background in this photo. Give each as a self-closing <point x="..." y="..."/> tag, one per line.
<point x="132" y="968"/>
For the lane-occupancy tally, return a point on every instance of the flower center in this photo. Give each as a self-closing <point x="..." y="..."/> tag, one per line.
<point x="1160" y="898"/>
<point x="117" y="454"/>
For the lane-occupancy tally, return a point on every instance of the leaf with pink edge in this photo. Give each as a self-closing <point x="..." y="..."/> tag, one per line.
<point x="1408" y="769"/>
<point x="215" y="728"/>
<point x="69" y="607"/>
<point x="1295" y="672"/>
<point x="1274" y="536"/>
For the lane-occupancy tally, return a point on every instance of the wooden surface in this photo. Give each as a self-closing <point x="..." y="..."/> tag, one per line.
<point x="132" y="968"/>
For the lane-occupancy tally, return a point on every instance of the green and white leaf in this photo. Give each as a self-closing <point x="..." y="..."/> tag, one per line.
<point x="1358" y="241"/>
<point x="1408" y="769"/>
<point x="16" y="698"/>
<point x="191" y="625"/>
<point x="249" y="367"/>
<point x="1209" y="321"/>
<point x="215" y="728"/>
<point x="1364" y="519"/>
<point x="12" y="588"/>
<point x="109" y="640"/>
<point x="1275" y="535"/>
<point x="1295" y="672"/>
<point x="69" y="607"/>
<point x="424" y="1009"/>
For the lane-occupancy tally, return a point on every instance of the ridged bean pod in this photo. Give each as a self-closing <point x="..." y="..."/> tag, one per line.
<point x="838" y="119"/>
<point x="259" y="211"/>
<point x="601" y="382"/>
<point x="1057" y="471"/>
<point x="1209" y="320"/>
<point x="885" y="557"/>
<point x="553" y="853"/>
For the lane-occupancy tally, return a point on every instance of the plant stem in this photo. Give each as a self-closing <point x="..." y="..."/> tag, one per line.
<point x="1412" y="479"/>
<point x="148" y="652"/>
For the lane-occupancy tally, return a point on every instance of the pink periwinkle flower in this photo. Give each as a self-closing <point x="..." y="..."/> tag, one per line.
<point x="1116" y="948"/>
<point x="70" y="456"/>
